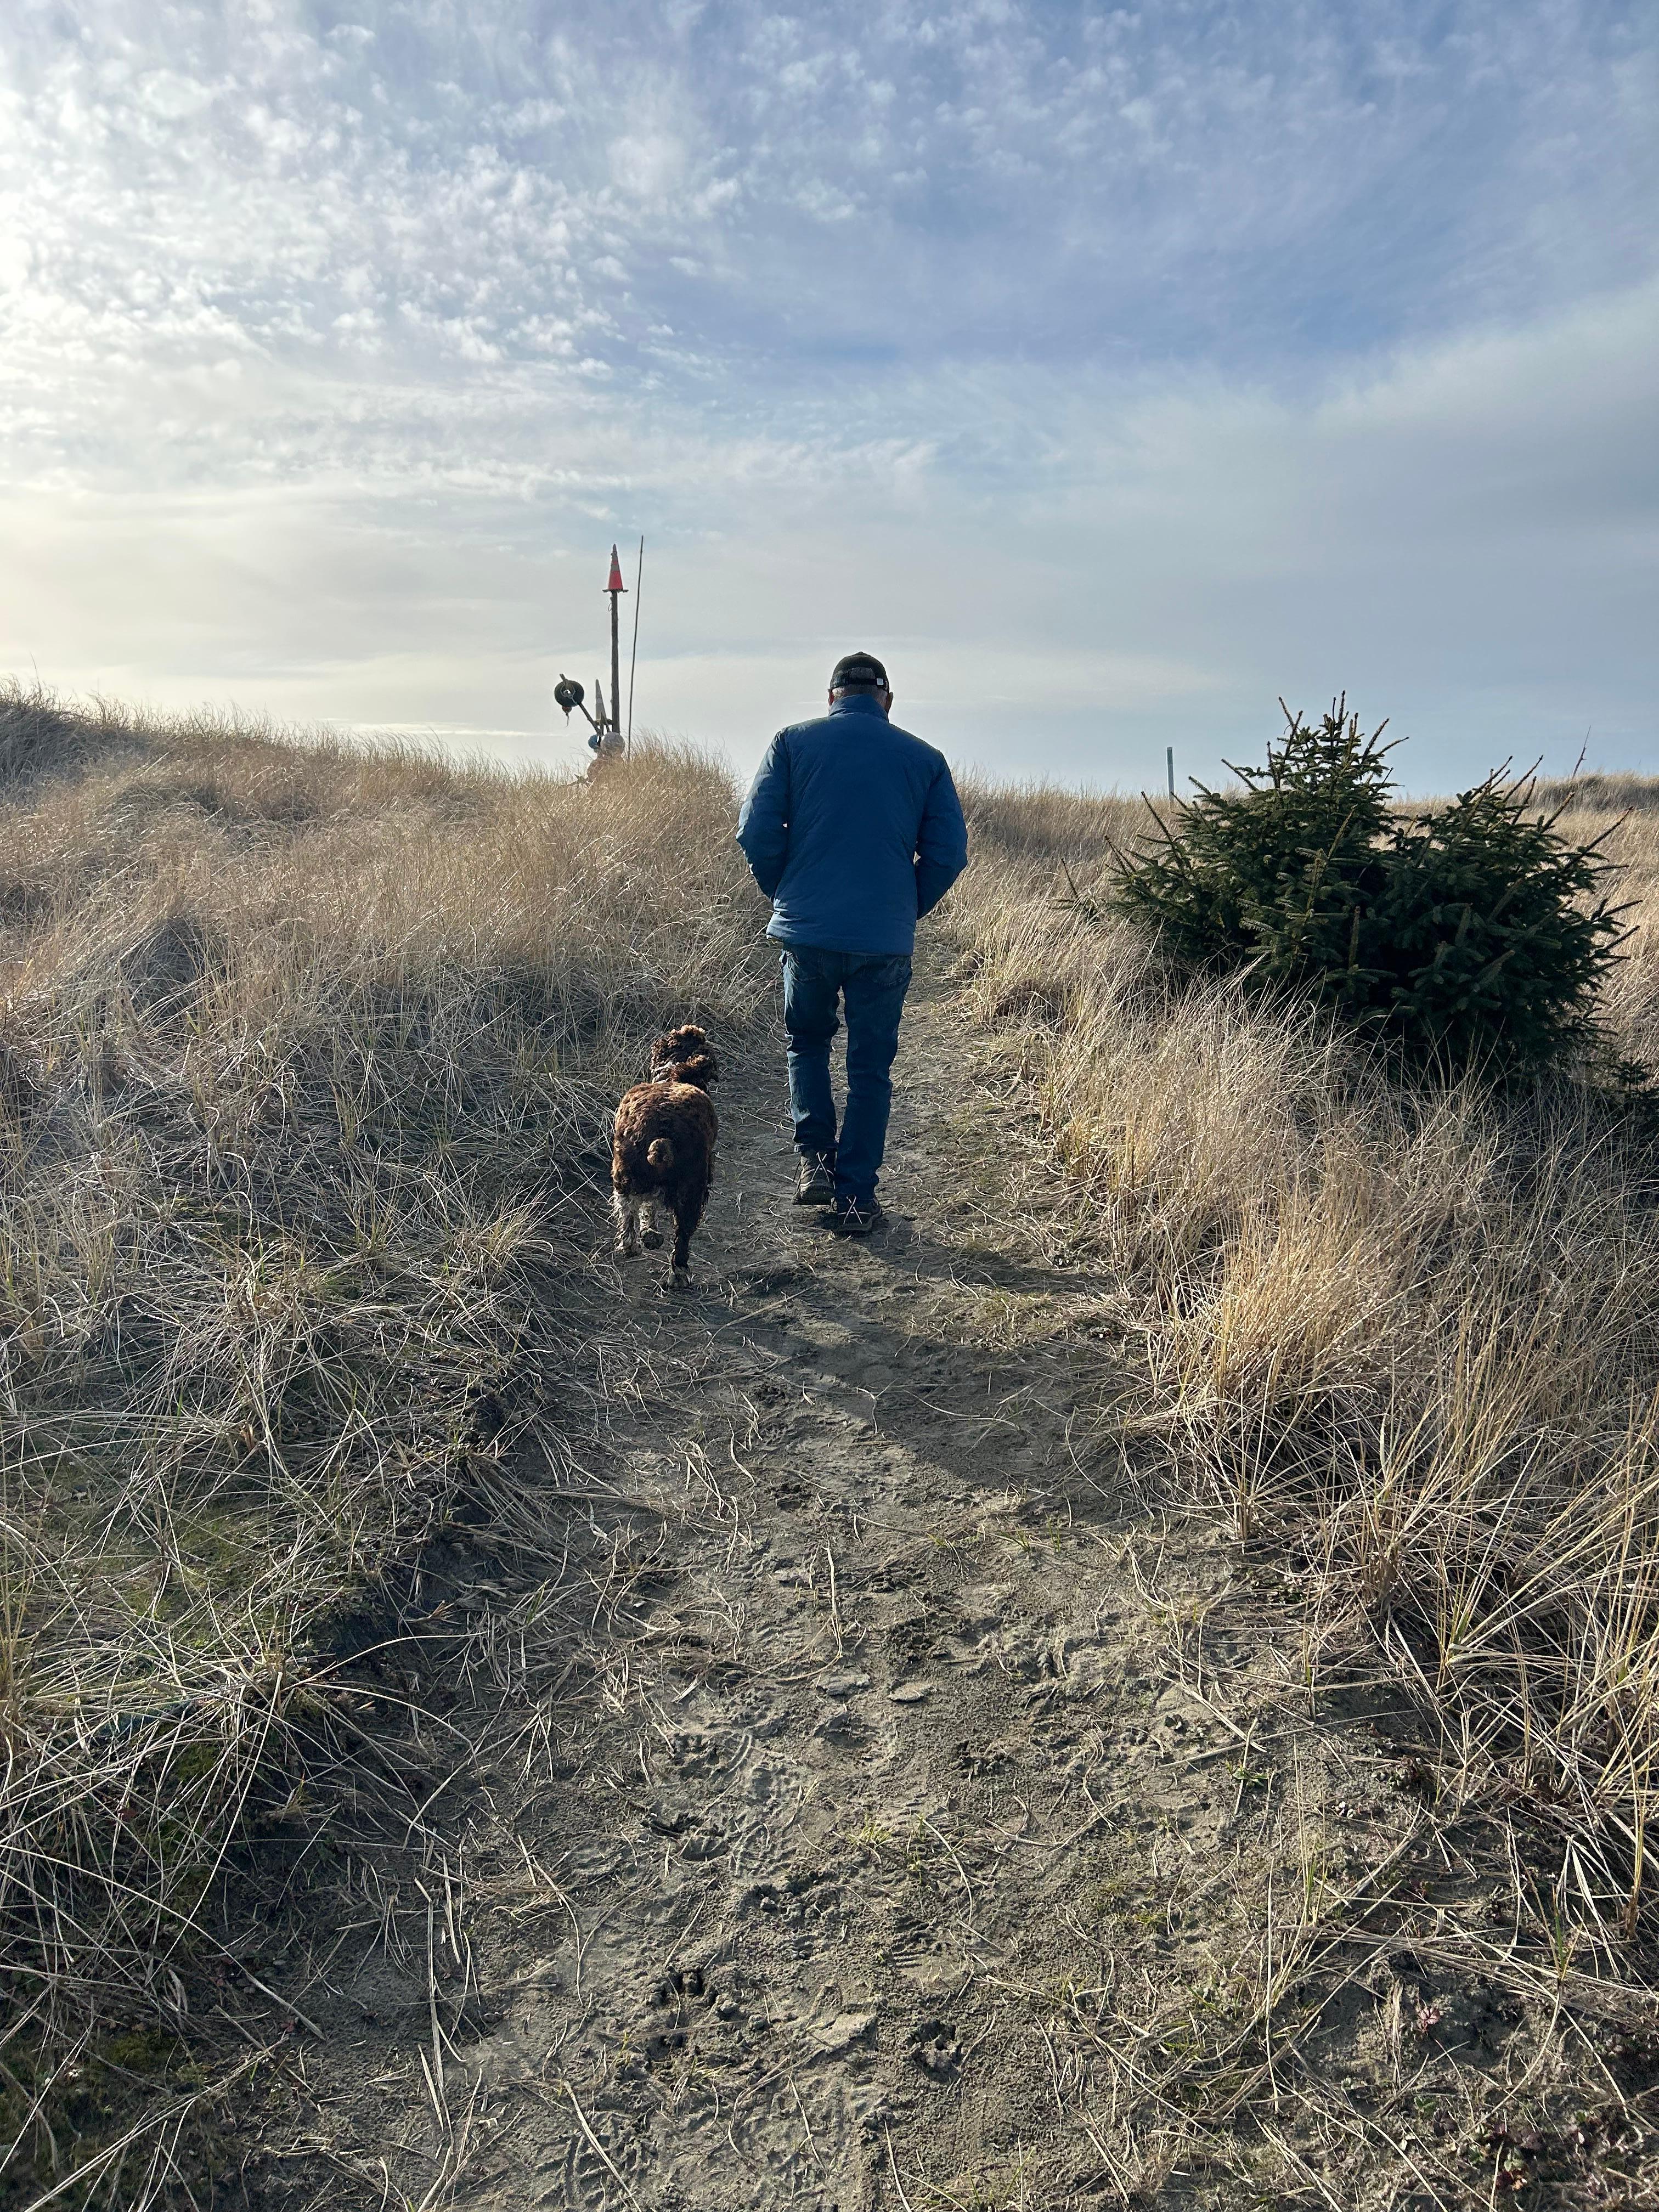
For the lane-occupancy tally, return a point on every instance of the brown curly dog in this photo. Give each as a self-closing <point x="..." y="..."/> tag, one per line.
<point x="663" y="1157"/>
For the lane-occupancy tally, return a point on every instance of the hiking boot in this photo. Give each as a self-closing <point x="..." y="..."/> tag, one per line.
<point x="815" y="1185"/>
<point x="857" y="1217"/>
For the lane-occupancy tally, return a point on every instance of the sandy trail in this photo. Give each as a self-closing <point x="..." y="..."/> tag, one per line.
<point x="758" y="1864"/>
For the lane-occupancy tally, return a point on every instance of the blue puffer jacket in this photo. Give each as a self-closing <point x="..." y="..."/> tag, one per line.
<point x="853" y="830"/>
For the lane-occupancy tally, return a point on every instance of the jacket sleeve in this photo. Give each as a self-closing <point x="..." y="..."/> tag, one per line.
<point x="763" y="825"/>
<point x="941" y="843"/>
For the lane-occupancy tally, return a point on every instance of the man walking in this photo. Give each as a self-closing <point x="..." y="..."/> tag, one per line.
<point x="854" y="831"/>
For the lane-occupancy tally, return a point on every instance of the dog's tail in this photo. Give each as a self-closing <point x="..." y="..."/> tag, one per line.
<point x="659" y="1155"/>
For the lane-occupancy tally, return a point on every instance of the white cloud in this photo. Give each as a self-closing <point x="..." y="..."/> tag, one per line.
<point x="1127" y="367"/>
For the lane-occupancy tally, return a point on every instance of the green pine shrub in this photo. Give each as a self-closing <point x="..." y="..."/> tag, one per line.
<point x="1472" y="934"/>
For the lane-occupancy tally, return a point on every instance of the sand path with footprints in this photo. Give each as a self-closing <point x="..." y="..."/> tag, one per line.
<point x="793" y="1820"/>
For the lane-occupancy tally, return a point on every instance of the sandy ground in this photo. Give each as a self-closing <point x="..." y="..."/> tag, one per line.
<point x="811" y="1821"/>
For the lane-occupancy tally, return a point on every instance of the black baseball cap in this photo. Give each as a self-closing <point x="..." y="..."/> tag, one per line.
<point x="859" y="672"/>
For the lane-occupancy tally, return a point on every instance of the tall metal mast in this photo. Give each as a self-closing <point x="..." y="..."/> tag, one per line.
<point x="605" y="722"/>
<point x="614" y="587"/>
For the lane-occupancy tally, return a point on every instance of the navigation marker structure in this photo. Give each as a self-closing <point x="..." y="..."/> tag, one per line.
<point x="615" y="586"/>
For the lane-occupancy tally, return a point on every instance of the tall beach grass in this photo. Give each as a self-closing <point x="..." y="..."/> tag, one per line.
<point x="306" y="1056"/>
<point x="1408" y="1340"/>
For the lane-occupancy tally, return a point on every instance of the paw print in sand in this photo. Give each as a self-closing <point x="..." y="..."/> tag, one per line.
<point x="935" y="2049"/>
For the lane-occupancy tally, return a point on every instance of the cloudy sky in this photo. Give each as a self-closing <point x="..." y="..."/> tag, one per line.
<point x="1109" y="371"/>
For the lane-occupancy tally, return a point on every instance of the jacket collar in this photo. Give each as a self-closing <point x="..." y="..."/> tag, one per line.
<point x="859" y="702"/>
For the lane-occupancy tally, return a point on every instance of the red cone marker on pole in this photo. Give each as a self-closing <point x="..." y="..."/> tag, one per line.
<point x="614" y="586"/>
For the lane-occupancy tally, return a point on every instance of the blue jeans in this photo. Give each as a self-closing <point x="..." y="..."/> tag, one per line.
<point x="872" y="987"/>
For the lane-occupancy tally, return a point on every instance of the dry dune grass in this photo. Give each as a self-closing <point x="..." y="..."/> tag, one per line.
<point x="304" y="1051"/>
<point x="1596" y="793"/>
<point x="1410" y="1343"/>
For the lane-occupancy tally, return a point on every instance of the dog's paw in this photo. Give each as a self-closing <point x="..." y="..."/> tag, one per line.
<point x="625" y="1252"/>
<point x="652" y="1239"/>
<point x="677" y="1279"/>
